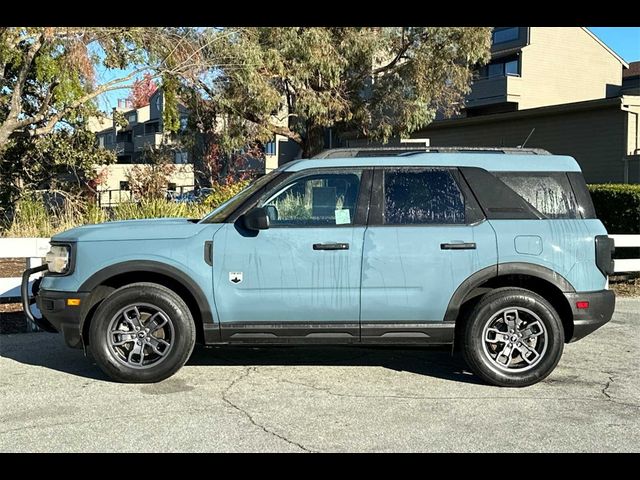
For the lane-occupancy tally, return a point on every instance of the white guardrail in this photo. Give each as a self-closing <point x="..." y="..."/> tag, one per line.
<point x="34" y="249"/>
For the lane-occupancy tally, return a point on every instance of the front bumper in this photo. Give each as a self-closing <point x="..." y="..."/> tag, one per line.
<point x="587" y="320"/>
<point x="57" y="314"/>
<point x="66" y="319"/>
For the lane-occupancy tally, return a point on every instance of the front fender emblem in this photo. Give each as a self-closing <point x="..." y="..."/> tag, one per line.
<point x="235" y="277"/>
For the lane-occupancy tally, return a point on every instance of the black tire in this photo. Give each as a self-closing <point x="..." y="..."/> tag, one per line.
<point x="178" y="332"/>
<point x="487" y="359"/>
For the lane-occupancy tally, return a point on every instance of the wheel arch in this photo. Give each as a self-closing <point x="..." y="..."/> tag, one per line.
<point x="538" y="279"/>
<point x="105" y="281"/>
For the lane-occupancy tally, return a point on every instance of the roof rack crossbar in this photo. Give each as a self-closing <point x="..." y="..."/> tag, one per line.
<point x="406" y="150"/>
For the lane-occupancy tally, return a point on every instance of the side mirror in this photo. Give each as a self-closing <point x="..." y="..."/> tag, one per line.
<point x="256" y="219"/>
<point x="272" y="212"/>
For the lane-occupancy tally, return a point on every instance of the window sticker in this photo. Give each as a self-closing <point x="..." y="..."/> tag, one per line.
<point x="343" y="217"/>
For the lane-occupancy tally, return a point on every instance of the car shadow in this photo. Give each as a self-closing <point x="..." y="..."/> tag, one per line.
<point x="49" y="351"/>
<point x="435" y="362"/>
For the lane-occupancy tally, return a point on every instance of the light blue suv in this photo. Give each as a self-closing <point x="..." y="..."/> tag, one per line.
<point x="498" y="252"/>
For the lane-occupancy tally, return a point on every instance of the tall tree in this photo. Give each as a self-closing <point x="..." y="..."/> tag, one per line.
<point x="48" y="88"/>
<point x="48" y="73"/>
<point x="376" y="82"/>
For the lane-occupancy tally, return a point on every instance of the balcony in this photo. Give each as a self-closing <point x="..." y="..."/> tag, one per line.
<point x="153" y="139"/>
<point x="495" y="90"/>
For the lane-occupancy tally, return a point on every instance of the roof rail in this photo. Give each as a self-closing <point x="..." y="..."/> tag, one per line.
<point x="404" y="151"/>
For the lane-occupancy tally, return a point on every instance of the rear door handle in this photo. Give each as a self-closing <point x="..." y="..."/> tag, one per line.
<point x="331" y="246"/>
<point x="458" y="246"/>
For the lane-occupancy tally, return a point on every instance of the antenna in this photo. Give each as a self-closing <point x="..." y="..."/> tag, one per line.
<point x="527" y="139"/>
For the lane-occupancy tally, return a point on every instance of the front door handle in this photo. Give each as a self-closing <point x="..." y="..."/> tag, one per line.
<point x="331" y="246"/>
<point x="458" y="246"/>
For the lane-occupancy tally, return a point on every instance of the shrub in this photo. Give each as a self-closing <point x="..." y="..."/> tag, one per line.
<point x="223" y="192"/>
<point x="155" y="208"/>
<point x="617" y="206"/>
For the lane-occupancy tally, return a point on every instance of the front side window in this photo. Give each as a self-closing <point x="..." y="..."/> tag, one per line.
<point x="549" y="193"/>
<point x="322" y="199"/>
<point x="425" y="196"/>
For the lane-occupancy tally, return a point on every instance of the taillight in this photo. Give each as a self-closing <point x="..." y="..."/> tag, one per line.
<point x="605" y="248"/>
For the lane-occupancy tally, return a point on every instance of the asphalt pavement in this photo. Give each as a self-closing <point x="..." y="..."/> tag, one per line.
<point x="329" y="399"/>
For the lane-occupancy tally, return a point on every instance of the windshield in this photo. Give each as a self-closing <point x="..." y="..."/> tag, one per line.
<point x="225" y="209"/>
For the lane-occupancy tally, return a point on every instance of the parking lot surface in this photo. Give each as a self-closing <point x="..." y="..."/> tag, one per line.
<point x="313" y="399"/>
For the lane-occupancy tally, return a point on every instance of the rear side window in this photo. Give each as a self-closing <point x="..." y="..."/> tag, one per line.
<point x="549" y="193"/>
<point x="424" y="196"/>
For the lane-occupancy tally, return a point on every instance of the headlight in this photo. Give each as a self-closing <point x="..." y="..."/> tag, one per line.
<point x="57" y="258"/>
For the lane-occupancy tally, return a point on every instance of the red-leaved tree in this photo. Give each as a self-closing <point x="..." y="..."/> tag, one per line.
<point x="142" y="90"/>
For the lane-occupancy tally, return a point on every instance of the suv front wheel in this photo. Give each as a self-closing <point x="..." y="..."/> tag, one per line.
<point x="513" y="338"/>
<point x="142" y="333"/>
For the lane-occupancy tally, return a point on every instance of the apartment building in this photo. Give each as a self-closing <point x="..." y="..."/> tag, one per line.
<point x="143" y="130"/>
<point x="557" y="88"/>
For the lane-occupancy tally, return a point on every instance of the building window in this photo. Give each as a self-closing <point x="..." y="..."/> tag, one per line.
<point x="495" y="69"/>
<point x="131" y="118"/>
<point x="150" y="128"/>
<point x="182" y="157"/>
<point x="124" y="185"/>
<point x="123" y="137"/>
<point x="101" y="141"/>
<point x="270" y="148"/>
<point x="499" y="68"/>
<point x="512" y="67"/>
<point x="184" y="121"/>
<point x="172" y="187"/>
<point x="505" y="34"/>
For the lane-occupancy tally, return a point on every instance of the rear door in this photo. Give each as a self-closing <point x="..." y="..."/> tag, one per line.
<point x="426" y="235"/>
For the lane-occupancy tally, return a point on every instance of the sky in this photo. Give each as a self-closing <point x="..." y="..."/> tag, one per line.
<point x="625" y="41"/>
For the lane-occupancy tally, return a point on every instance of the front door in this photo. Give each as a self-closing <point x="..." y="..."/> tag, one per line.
<point x="300" y="278"/>
<point x="426" y="235"/>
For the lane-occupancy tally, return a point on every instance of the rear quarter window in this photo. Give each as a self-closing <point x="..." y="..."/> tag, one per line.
<point x="549" y="193"/>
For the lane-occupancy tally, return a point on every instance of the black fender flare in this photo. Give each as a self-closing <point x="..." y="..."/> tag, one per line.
<point x="499" y="270"/>
<point x="135" y="266"/>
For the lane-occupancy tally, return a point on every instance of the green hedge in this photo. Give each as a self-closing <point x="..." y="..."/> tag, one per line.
<point x="618" y="206"/>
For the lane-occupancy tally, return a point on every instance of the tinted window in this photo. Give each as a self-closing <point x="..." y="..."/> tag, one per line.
<point x="422" y="197"/>
<point x="320" y="199"/>
<point x="511" y="68"/>
<point x="499" y="68"/>
<point x="496" y="69"/>
<point x="549" y="193"/>
<point x="505" y="34"/>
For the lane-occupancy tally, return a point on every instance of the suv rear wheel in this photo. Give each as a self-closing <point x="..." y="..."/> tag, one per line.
<point x="142" y="333"/>
<point x="513" y="338"/>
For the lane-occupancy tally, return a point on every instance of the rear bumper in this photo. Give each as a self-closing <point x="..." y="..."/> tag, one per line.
<point x="586" y="320"/>
<point x="66" y="319"/>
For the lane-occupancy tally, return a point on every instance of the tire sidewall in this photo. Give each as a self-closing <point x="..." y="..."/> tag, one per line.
<point x="162" y="298"/>
<point x="474" y="351"/>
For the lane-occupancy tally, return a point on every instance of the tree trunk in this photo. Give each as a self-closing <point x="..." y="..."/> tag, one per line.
<point x="6" y="129"/>
<point x="313" y="141"/>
